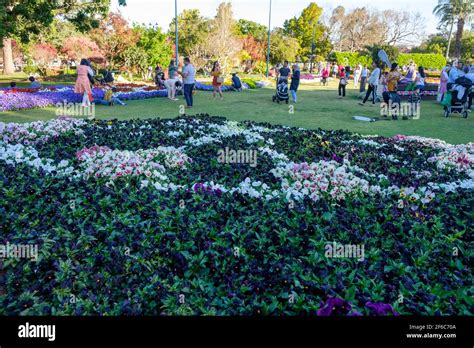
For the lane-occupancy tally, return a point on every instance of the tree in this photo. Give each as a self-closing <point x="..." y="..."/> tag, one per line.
<point x="253" y="52"/>
<point x="21" y="18"/>
<point x="303" y="27"/>
<point x="438" y="44"/>
<point x="77" y="47"/>
<point x="401" y="27"/>
<point x="283" y="47"/>
<point x="114" y="36"/>
<point x="452" y="12"/>
<point x="136" y="60"/>
<point x="246" y="28"/>
<point x="43" y="54"/>
<point x="223" y="45"/>
<point x="193" y="30"/>
<point x="155" y="44"/>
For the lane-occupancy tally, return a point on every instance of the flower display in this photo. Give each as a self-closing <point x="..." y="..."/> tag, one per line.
<point x="128" y="215"/>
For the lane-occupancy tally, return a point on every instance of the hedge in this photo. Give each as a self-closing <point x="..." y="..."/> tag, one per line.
<point x="427" y="60"/>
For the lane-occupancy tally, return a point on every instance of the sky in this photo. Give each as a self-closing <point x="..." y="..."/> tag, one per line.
<point x="162" y="11"/>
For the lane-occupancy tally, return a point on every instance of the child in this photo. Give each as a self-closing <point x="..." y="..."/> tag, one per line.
<point x="110" y="97"/>
<point x="34" y="83"/>
<point x="324" y="76"/>
<point x="236" y="83"/>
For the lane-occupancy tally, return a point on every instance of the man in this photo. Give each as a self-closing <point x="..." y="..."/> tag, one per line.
<point x="455" y="73"/>
<point x="284" y="72"/>
<point x="189" y="74"/>
<point x="373" y="82"/>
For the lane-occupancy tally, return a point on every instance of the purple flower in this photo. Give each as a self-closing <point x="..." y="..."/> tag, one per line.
<point x="334" y="306"/>
<point x="380" y="309"/>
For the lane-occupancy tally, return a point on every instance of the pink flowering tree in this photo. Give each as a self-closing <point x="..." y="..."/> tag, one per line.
<point x="43" y="54"/>
<point x="77" y="47"/>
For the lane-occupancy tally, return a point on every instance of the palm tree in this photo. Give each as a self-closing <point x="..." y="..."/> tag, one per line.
<point x="454" y="11"/>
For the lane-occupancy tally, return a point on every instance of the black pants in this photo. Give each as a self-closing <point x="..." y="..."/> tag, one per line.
<point x="342" y="90"/>
<point x="188" y="93"/>
<point x="370" y="90"/>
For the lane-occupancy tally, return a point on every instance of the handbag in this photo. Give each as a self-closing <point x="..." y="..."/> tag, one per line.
<point x="343" y="82"/>
<point x="220" y="79"/>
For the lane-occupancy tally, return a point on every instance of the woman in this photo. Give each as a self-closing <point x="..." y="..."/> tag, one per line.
<point x="342" y="84"/>
<point x="443" y="85"/>
<point x="172" y="69"/>
<point x="83" y="85"/>
<point x="420" y="79"/>
<point x="170" y="85"/>
<point x="217" y="79"/>
<point x="391" y="80"/>
<point x="357" y="71"/>
<point x="295" y="81"/>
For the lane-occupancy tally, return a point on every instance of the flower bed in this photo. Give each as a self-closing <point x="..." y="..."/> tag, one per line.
<point x="27" y="98"/>
<point x="130" y="215"/>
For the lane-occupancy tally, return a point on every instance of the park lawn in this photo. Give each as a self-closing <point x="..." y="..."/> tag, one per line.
<point x="317" y="107"/>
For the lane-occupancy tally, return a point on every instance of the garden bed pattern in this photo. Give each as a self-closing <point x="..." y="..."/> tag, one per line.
<point x="140" y="217"/>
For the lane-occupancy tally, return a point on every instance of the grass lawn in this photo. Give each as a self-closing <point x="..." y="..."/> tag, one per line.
<point x="317" y="107"/>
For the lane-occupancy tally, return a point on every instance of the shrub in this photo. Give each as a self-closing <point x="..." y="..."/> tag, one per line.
<point x="427" y="60"/>
<point x="260" y="68"/>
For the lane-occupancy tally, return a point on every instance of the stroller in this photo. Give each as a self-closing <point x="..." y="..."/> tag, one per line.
<point x="456" y="98"/>
<point x="107" y="78"/>
<point x="281" y="91"/>
<point x="159" y="78"/>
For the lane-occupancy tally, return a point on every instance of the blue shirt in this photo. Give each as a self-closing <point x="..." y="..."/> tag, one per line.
<point x="236" y="82"/>
<point x="454" y="73"/>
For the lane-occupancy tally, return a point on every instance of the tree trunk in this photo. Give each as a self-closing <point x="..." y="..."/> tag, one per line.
<point x="449" y="40"/>
<point x="459" y="32"/>
<point x="8" y="67"/>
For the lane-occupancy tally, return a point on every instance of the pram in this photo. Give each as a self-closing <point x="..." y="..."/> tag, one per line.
<point x="159" y="78"/>
<point x="456" y="99"/>
<point x="106" y="78"/>
<point x="281" y="91"/>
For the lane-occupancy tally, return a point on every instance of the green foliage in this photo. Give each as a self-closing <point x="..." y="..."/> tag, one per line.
<point x="429" y="61"/>
<point x="155" y="44"/>
<point x="193" y="31"/>
<point x="349" y="58"/>
<point x="260" y="67"/>
<point x="302" y="29"/>
<point x="250" y="82"/>
<point x="283" y="47"/>
<point x="245" y="27"/>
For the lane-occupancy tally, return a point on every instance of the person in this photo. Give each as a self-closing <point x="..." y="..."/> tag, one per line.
<point x="34" y="83"/>
<point x="454" y="73"/>
<point x="324" y="76"/>
<point x="110" y="97"/>
<point x="363" y="78"/>
<point x="295" y="81"/>
<point x="284" y="72"/>
<point x="188" y="74"/>
<point x="83" y="85"/>
<point x="357" y="72"/>
<point x="342" y="83"/>
<point x="391" y="80"/>
<point x="373" y="80"/>
<point x="217" y="80"/>
<point x="335" y="69"/>
<point x="420" y="79"/>
<point x="12" y="85"/>
<point x="170" y="85"/>
<point x="469" y="73"/>
<point x="159" y="77"/>
<point x="172" y="69"/>
<point x="236" y="83"/>
<point x="347" y="70"/>
<point x="411" y="71"/>
<point x="443" y="84"/>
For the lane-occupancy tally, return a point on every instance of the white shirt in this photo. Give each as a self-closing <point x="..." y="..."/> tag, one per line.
<point x="374" y="77"/>
<point x="364" y="72"/>
<point x="189" y="73"/>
